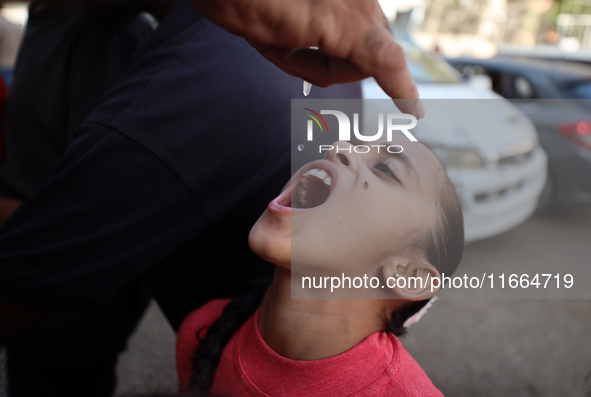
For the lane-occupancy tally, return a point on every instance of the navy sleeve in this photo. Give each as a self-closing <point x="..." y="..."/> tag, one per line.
<point x="110" y="211"/>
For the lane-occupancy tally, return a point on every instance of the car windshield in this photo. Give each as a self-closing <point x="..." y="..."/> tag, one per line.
<point x="577" y="89"/>
<point x="427" y="68"/>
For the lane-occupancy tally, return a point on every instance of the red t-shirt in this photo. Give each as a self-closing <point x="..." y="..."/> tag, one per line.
<point x="378" y="366"/>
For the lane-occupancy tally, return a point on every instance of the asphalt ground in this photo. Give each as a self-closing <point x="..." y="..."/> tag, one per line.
<point x="468" y="347"/>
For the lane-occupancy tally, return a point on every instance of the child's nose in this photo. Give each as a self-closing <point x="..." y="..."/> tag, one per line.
<point x="342" y="153"/>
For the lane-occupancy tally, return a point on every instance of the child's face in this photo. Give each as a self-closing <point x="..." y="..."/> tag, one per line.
<point x="350" y="211"/>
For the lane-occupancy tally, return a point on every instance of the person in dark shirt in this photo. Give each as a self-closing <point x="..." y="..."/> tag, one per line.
<point x="70" y="55"/>
<point x="161" y="183"/>
<point x="166" y="176"/>
<point x="162" y="176"/>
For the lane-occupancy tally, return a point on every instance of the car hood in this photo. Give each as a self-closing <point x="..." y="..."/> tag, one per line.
<point x="464" y="116"/>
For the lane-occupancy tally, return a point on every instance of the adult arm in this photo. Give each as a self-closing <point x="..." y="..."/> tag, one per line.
<point x="353" y="37"/>
<point x="111" y="210"/>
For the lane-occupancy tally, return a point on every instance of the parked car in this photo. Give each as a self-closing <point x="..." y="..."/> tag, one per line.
<point x="548" y="52"/>
<point x="489" y="148"/>
<point x="556" y="95"/>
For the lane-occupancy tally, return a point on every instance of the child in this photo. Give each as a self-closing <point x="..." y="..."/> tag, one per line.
<point x="388" y="216"/>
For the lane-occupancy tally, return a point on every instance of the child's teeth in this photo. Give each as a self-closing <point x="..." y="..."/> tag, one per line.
<point x="320" y="174"/>
<point x="301" y="191"/>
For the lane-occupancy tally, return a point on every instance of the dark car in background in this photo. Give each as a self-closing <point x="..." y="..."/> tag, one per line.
<point x="556" y="95"/>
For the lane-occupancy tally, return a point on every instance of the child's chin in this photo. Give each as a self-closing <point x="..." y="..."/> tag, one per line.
<point x="271" y="240"/>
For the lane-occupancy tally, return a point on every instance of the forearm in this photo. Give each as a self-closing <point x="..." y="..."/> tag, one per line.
<point x="14" y="319"/>
<point x="7" y="207"/>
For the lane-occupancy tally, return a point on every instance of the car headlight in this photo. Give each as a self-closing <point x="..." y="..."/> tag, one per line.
<point x="459" y="158"/>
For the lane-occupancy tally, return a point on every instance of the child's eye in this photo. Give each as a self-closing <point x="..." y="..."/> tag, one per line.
<point x="384" y="167"/>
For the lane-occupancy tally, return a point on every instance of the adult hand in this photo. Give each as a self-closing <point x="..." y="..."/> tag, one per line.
<point x="353" y="38"/>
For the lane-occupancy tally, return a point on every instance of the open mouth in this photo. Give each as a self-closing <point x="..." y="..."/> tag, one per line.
<point x="312" y="190"/>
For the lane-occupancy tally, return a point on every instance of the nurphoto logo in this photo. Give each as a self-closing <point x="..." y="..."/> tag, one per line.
<point x="390" y="126"/>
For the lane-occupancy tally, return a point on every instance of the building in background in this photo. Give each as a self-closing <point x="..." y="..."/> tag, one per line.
<point x="480" y="27"/>
<point x="11" y="34"/>
<point x="573" y="24"/>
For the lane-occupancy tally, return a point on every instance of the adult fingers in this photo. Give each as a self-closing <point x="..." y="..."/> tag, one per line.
<point x="311" y="65"/>
<point x="320" y="69"/>
<point x="378" y="55"/>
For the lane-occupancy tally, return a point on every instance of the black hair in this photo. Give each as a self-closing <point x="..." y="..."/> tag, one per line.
<point x="208" y="354"/>
<point x="442" y="247"/>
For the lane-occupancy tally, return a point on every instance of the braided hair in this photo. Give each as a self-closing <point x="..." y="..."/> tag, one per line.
<point x="208" y="354"/>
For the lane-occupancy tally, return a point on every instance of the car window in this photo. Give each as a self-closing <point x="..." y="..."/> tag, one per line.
<point x="523" y="88"/>
<point x="576" y="89"/>
<point x="510" y="86"/>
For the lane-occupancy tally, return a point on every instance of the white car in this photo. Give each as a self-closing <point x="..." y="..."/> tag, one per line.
<point x="489" y="148"/>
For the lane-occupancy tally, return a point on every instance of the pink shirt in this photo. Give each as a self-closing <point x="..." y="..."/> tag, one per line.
<point x="378" y="366"/>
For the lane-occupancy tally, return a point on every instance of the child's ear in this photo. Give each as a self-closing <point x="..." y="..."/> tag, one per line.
<point x="410" y="279"/>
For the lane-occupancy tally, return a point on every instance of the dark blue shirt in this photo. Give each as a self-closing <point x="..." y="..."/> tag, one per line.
<point x="163" y="180"/>
<point x="70" y="55"/>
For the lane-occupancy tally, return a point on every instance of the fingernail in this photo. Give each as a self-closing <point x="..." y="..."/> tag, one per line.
<point x="419" y="110"/>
